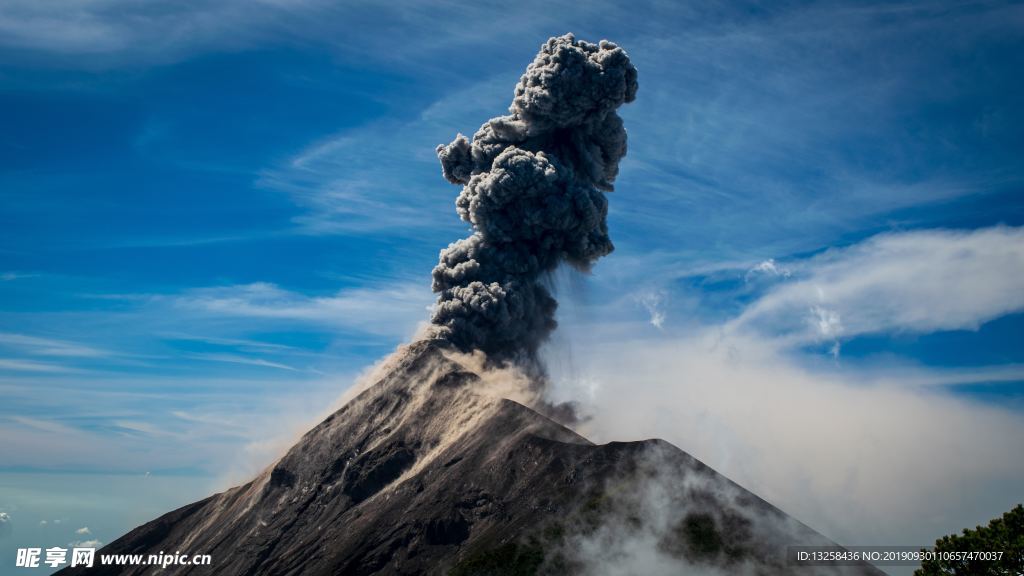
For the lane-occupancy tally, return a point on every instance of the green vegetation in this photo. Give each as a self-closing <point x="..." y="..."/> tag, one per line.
<point x="1004" y="534"/>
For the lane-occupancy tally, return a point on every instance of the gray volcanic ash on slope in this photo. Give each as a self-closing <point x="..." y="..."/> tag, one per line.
<point x="439" y="466"/>
<point x="431" y="471"/>
<point x="533" y="185"/>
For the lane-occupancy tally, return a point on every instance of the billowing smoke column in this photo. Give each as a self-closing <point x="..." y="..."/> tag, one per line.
<point x="533" y="190"/>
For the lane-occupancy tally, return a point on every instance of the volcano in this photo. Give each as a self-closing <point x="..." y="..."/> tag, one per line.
<point x="429" y="471"/>
<point x="447" y="463"/>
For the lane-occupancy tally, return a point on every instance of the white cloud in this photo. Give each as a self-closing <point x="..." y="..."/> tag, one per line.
<point x="920" y="282"/>
<point x="654" y="303"/>
<point x="91" y="33"/>
<point x="138" y="427"/>
<point x="911" y="376"/>
<point x="31" y="366"/>
<point x="767" y="268"/>
<point x="748" y="137"/>
<point x="240" y="343"/>
<point x="360" y="180"/>
<point x="25" y="345"/>
<point x="863" y="458"/>
<point x="11" y="276"/>
<point x="389" y="309"/>
<point x="864" y="452"/>
<point x="83" y="531"/>
<point x="236" y="359"/>
<point x="47" y="346"/>
<point x="109" y="31"/>
<point x="229" y="427"/>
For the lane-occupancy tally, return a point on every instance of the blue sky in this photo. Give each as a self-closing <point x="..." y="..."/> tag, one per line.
<point x="216" y="215"/>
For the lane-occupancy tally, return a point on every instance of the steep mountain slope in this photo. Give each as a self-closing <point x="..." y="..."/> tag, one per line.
<point x="429" y="471"/>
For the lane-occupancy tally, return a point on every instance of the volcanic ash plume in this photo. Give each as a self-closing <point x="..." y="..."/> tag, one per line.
<point x="533" y="190"/>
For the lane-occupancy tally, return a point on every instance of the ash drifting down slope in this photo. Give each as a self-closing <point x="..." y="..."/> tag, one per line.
<point x="428" y="472"/>
<point x="441" y="466"/>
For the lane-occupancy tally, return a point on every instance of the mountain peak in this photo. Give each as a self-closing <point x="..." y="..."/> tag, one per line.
<point x="431" y="470"/>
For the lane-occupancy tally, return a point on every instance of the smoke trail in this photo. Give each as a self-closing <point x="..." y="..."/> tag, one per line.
<point x="533" y="184"/>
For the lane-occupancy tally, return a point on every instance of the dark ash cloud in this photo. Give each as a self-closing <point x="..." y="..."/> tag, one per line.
<point x="533" y="190"/>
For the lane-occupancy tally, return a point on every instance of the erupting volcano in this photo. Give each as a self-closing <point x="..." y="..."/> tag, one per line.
<point x="444" y="462"/>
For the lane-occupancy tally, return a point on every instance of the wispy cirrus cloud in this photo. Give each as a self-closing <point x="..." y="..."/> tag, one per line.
<point x="777" y="146"/>
<point x="385" y="177"/>
<point x="916" y="282"/>
<point x="32" y="366"/>
<point x="43" y="425"/>
<point x="767" y="268"/>
<point x="755" y="149"/>
<point x="11" y="276"/>
<point x="241" y="343"/>
<point x="216" y="425"/>
<point x="48" y="347"/>
<point x="386" y="309"/>
<point x="251" y="327"/>
<point x="117" y="33"/>
<point x="35" y="354"/>
<point x="246" y="360"/>
<point x="847" y="447"/>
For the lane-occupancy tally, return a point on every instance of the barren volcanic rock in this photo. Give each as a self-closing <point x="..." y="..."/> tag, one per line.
<point x="429" y="472"/>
